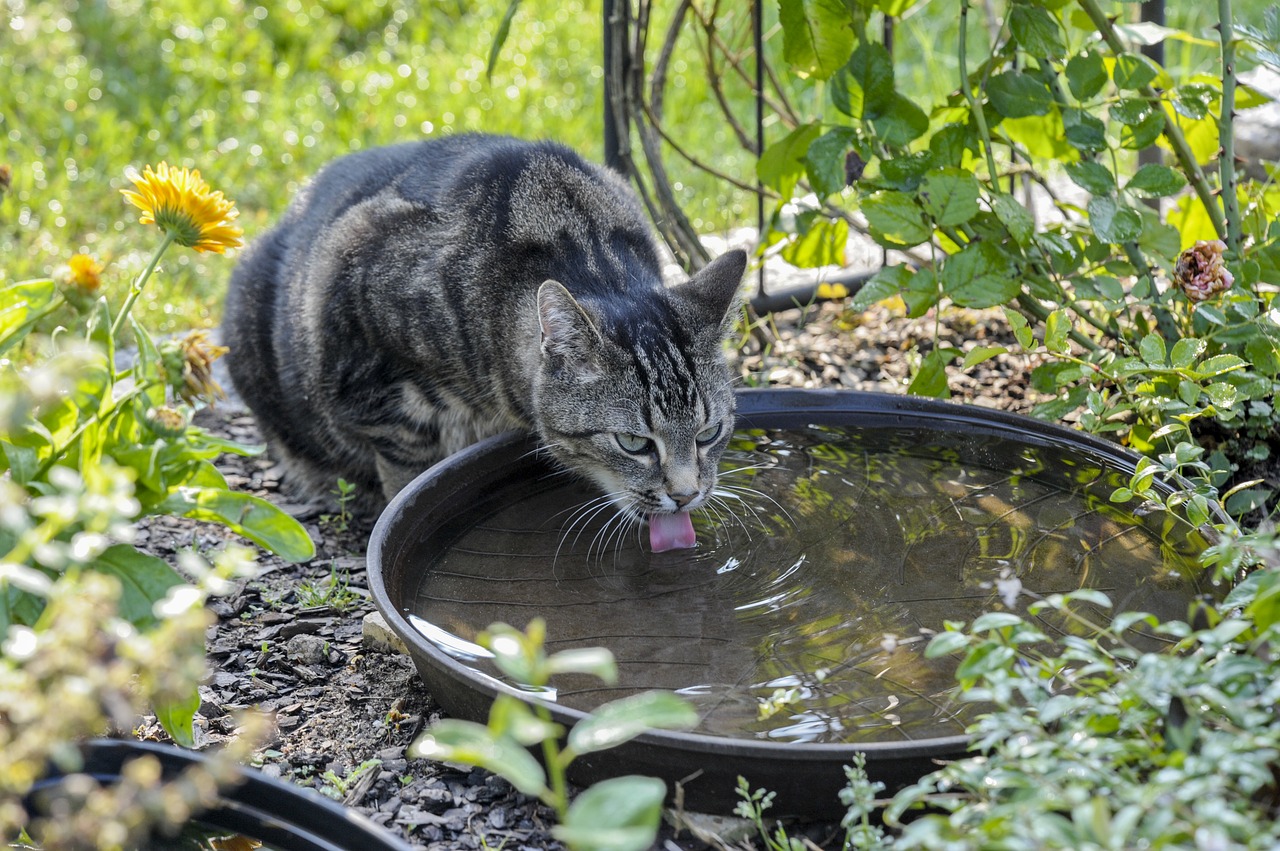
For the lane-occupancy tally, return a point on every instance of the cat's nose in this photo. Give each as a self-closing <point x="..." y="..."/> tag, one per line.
<point x="683" y="499"/>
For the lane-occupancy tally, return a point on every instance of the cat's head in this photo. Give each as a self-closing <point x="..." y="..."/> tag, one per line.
<point x="636" y="395"/>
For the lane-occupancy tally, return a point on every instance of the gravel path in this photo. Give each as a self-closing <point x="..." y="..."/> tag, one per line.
<point x="289" y="642"/>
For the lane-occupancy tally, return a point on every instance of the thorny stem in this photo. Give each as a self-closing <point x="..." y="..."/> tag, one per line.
<point x="1226" y="129"/>
<point x="1172" y="132"/>
<point x="974" y="107"/>
<point x="138" y="284"/>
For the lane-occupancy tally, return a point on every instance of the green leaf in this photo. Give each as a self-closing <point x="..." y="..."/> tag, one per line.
<point x="901" y="122"/>
<point x="177" y="716"/>
<point x="247" y="515"/>
<point x="782" y="163"/>
<point x="981" y="354"/>
<point x="994" y="620"/>
<point x="620" y="721"/>
<point x="1021" y="330"/>
<point x="817" y="36"/>
<point x="21" y="305"/>
<point x="1152" y="349"/>
<point x="1084" y="131"/>
<point x="1036" y="30"/>
<point x="595" y="661"/>
<point x="986" y="658"/>
<point x="896" y="218"/>
<point x="510" y="716"/>
<point x="981" y="275"/>
<point x="452" y="740"/>
<point x="1185" y="352"/>
<point x="1014" y="216"/>
<point x="1218" y="364"/>
<point x="863" y="88"/>
<point x="618" y="814"/>
<point x="1092" y="177"/>
<point x="950" y="196"/>
<point x="1221" y="394"/>
<point x="949" y="143"/>
<point x="1156" y="181"/>
<point x="888" y="282"/>
<point x="1143" y="134"/>
<point x="1112" y="221"/>
<point x="824" y="160"/>
<point x="946" y="643"/>
<point x="921" y="293"/>
<point x="931" y="380"/>
<point x="823" y="244"/>
<point x="1017" y="95"/>
<point x="144" y="581"/>
<point x="1057" y="327"/>
<point x="500" y="37"/>
<point x="1086" y="74"/>
<point x="1133" y="71"/>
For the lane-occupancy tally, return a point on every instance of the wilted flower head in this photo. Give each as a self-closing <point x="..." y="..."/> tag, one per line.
<point x="188" y="367"/>
<point x="169" y="423"/>
<point x="1199" y="272"/>
<point x="182" y="205"/>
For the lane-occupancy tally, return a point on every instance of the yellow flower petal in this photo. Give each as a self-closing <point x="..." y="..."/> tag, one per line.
<point x="179" y="202"/>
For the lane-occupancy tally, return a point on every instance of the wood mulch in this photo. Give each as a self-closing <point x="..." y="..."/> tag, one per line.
<point x="289" y="642"/>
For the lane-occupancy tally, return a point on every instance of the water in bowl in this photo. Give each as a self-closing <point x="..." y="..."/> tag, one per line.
<point x="827" y="559"/>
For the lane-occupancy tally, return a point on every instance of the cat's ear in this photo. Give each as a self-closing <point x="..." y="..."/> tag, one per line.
<point x="714" y="290"/>
<point x="568" y="334"/>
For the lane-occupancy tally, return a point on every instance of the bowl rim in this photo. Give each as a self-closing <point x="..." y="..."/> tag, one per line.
<point x="755" y="402"/>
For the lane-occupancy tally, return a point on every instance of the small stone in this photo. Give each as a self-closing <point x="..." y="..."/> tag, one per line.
<point x="307" y="649"/>
<point x="379" y="636"/>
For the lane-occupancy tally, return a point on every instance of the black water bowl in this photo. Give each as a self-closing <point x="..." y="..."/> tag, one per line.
<point x="847" y="528"/>
<point x="277" y="814"/>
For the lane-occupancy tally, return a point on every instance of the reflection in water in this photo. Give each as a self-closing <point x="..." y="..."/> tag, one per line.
<point x="832" y="554"/>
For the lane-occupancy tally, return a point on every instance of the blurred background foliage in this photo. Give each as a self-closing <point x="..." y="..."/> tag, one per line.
<point x="259" y="96"/>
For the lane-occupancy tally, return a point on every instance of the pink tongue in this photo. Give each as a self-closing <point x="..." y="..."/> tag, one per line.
<point x="671" y="532"/>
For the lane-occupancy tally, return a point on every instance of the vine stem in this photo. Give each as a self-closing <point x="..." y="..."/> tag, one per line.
<point x="1226" y="129"/>
<point x="1172" y="132"/>
<point x="974" y="107"/>
<point x="138" y="284"/>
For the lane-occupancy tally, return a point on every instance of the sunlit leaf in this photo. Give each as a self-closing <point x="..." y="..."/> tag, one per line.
<point x="144" y="581"/>
<point x="622" y="720"/>
<point x="618" y="814"/>
<point x="177" y="716"/>
<point x="817" y="36"/>
<point x="247" y="515"/>
<point x="452" y="740"/>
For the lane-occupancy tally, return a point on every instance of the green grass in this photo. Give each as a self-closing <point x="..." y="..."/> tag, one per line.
<point x="258" y="97"/>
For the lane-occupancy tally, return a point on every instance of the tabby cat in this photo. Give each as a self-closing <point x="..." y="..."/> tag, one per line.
<point x="417" y="298"/>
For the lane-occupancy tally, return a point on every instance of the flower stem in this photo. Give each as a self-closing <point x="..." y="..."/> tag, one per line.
<point x="974" y="107"/>
<point x="138" y="284"/>
<point x="555" y="762"/>
<point x="1172" y="132"/>
<point x="1226" y="129"/>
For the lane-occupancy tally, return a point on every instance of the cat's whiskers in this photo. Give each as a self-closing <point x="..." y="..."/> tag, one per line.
<point x="580" y="517"/>
<point x="739" y="492"/>
<point x="715" y="502"/>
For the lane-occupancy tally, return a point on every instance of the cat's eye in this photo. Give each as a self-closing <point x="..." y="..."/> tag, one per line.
<point x="710" y="433"/>
<point x="633" y="444"/>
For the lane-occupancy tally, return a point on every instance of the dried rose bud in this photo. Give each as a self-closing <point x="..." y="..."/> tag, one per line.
<point x="854" y="166"/>
<point x="1199" y="272"/>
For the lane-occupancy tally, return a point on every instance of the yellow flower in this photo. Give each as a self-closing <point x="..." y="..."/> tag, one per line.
<point x="188" y="366"/>
<point x="85" y="273"/>
<point x="181" y="204"/>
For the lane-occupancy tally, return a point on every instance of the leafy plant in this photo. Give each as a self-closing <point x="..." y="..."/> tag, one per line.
<point x="1150" y="303"/>
<point x="80" y="429"/>
<point x="614" y="815"/>
<point x="345" y="492"/>
<point x="334" y="592"/>
<point x="337" y="786"/>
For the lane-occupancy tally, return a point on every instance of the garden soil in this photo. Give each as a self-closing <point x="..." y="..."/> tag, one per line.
<point x="344" y="710"/>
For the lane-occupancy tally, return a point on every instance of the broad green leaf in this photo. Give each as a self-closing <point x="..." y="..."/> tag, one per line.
<point x="1133" y="71"/>
<point x="1143" y="134"/>
<point x="1131" y="111"/>
<point x="1156" y="181"/>
<point x="986" y="658"/>
<point x="144" y="581"/>
<point x="510" y="716"/>
<point x="1112" y="221"/>
<point x="897" y="218"/>
<point x="620" y="721"/>
<point x="931" y="380"/>
<point x="1021" y="328"/>
<point x="1014" y="216"/>
<point x="1093" y="177"/>
<point x="1036" y="30"/>
<point x="921" y="293"/>
<point x="824" y="161"/>
<point x="21" y="305"/>
<point x="247" y="515"/>
<point x="981" y="275"/>
<point x="782" y="163"/>
<point x="596" y="661"/>
<point x="177" y="716"/>
<point x="1185" y="352"/>
<point x="905" y="172"/>
<point x="995" y="620"/>
<point x="1057" y="327"/>
<point x="1218" y="364"/>
<point x="863" y="87"/>
<point x="948" y="144"/>
<point x="817" y="36"/>
<point x="950" y="196"/>
<point x="1152" y="349"/>
<point x="1221" y="394"/>
<point x="823" y="244"/>
<point x="1084" y="131"/>
<point x="945" y="643"/>
<point x="981" y="354"/>
<point x="1016" y="95"/>
<point x="1086" y="74"/>
<point x="452" y="740"/>
<point x="1043" y="136"/>
<point x="618" y="814"/>
<point x="900" y="122"/>
<point x="886" y="283"/>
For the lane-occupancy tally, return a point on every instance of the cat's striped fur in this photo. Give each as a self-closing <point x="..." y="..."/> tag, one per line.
<point x="417" y="298"/>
